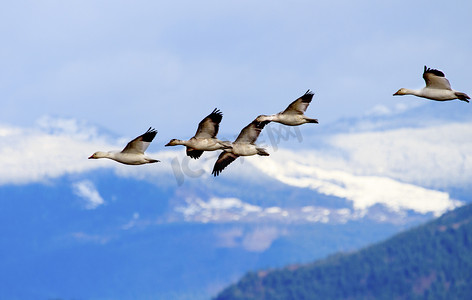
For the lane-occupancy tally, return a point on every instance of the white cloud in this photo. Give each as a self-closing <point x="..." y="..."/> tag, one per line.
<point x="231" y="210"/>
<point x="437" y="156"/>
<point x="260" y="239"/>
<point x="87" y="191"/>
<point x="37" y="154"/>
<point x="384" y="110"/>
<point x="300" y="170"/>
<point x="403" y="168"/>
<point x="132" y="222"/>
<point x="91" y="238"/>
<point x="216" y="209"/>
<point x="411" y="164"/>
<point x="57" y="147"/>
<point x="229" y="238"/>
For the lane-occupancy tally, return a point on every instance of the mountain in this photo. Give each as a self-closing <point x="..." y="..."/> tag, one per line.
<point x="74" y="228"/>
<point x="431" y="261"/>
<point x="144" y="241"/>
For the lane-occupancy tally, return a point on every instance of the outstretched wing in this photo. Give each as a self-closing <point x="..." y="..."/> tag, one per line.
<point x="223" y="161"/>
<point x="195" y="154"/>
<point x="208" y="127"/>
<point x="250" y="133"/>
<point x="141" y="143"/>
<point x="300" y="105"/>
<point x="435" y="79"/>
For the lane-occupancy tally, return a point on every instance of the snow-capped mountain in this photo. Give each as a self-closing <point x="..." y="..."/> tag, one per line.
<point x="171" y="230"/>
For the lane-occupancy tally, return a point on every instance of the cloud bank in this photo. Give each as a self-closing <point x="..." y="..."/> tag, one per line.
<point x="402" y="168"/>
<point x="87" y="191"/>
<point x="437" y="156"/>
<point x="54" y="148"/>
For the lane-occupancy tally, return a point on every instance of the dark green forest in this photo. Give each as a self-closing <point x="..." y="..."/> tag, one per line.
<point x="432" y="261"/>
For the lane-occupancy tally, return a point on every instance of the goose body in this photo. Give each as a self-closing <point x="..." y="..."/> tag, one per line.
<point x="124" y="158"/>
<point x="133" y="153"/>
<point x="294" y="114"/>
<point x="205" y="137"/>
<point x="244" y="145"/>
<point x="437" y="88"/>
<point x="246" y="149"/>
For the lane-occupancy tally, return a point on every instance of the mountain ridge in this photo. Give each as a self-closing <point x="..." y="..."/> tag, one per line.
<point x="192" y="234"/>
<point x="431" y="261"/>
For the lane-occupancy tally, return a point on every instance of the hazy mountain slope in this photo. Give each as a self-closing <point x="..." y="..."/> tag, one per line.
<point x="172" y="231"/>
<point x="432" y="261"/>
<point x="136" y="242"/>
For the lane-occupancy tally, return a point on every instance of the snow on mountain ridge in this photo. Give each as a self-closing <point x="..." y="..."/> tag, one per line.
<point x="364" y="191"/>
<point x="224" y="210"/>
<point x="401" y="168"/>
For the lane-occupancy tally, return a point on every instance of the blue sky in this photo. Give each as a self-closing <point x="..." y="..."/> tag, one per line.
<point x="82" y="76"/>
<point x="125" y="66"/>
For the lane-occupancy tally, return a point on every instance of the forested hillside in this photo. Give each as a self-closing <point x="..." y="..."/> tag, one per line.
<point x="433" y="261"/>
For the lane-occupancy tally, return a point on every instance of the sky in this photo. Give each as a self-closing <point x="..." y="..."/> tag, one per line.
<point x="124" y="66"/>
<point x="82" y="76"/>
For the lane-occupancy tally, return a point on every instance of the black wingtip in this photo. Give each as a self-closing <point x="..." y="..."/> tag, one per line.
<point x="150" y="129"/>
<point x="433" y="71"/>
<point x="215" y="172"/>
<point x="216" y="115"/>
<point x="149" y="135"/>
<point x="307" y="96"/>
<point x="195" y="154"/>
<point x="216" y="111"/>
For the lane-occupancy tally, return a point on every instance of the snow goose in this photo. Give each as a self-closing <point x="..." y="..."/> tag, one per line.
<point x="133" y="153"/>
<point x="293" y="115"/>
<point x="205" y="138"/>
<point x="437" y="88"/>
<point x="244" y="145"/>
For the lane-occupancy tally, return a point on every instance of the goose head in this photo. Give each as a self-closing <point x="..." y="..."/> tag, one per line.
<point x="174" y="142"/>
<point x="99" y="154"/>
<point x="402" y="91"/>
<point x="263" y="118"/>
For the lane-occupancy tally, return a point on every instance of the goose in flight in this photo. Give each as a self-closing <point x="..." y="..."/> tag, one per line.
<point x="205" y="138"/>
<point x="293" y="115"/>
<point x="437" y="88"/>
<point x="133" y="153"/>
<point x="244" y="145"/>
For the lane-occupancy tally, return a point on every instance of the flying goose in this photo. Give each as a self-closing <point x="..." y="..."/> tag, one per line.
<point x="244" y="145"/>
<point x="437" y="88"/>
<point x="133" y="153"/>
<point x="205" y="138"/>
<point x="293" y="115"/>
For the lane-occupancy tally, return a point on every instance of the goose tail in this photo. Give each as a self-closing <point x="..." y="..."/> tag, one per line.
<point x="462" y="96"/>
<point x="262" y="152"/>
